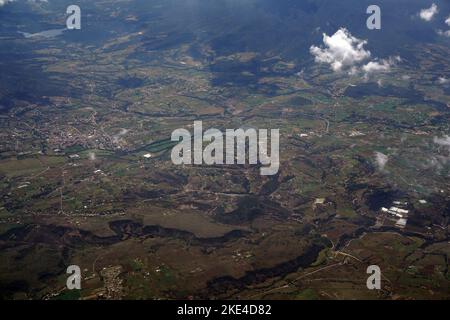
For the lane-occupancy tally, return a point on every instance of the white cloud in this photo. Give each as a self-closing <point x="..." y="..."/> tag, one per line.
<point x="92" y="156"/>
<point x="442" y="80"/>
<point x="380" y="83"/>
<point x="3" y="2"/>
<point x="444" y="33"/>
<point x="342" y="50"/>
<point x="381" y="160"/>
<point x="439" y="162"/>
<point x="428" y="14"/>
<point x="383" y="65"/>
<point x="445" y="141"/>
<point x="376" y="66"/>
<point x="118" y="137"/>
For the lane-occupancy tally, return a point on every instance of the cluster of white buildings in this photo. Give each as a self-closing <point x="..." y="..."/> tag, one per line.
<point x="396" y="212"/>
